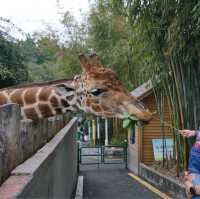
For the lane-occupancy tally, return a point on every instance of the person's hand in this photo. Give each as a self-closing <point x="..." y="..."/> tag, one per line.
<point x="188" y="177"/>
<point x="187" y="133"/>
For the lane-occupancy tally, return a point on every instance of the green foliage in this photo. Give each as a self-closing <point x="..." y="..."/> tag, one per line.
<point x="12" y="67"/>
<point x="129" y="121"/>
<point x="119" y="134"/>
<point x="12" y="59"/>
<point x="109" y="37"/>
<point x="53" y="54"/>
<point x="42" y="55"/>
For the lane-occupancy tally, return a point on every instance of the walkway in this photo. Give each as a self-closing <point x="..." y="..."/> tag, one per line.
<point x="111" y="181"/>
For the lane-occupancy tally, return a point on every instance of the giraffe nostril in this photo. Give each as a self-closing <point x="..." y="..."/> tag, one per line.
<point x="140" y="105"/>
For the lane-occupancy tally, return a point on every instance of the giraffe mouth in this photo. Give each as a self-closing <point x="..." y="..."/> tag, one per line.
<point x="144" y="116"/>
<point x="137" y="110"/>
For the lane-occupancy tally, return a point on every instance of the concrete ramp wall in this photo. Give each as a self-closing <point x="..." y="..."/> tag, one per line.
<point x="50" y="173"/>
<point x="20" y="139"/>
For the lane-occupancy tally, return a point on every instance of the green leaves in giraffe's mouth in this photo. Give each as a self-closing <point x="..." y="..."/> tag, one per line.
<point x="129" y="121"/>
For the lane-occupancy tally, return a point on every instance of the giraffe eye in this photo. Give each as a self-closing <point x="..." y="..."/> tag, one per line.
<point x="97" y="92"/>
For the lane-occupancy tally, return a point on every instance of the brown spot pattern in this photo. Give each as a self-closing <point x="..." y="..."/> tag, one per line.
<point x="45" y="110"/>
<point x="54" y="101"/>
<point x="88" y="102"/>
<point x="30" y="95"/>
<point x="96" y="108"/>
<point x="16" y="97"/>
<point x="3" y="99"/>
<point x="107" y="78"/>
<point x="70" y="97"/>
<point x="94" y="101"/>
<point x="58" y="110"/>
<point x="64" y="103"/>
<point x="45" y="93"/>
<point x="105" y="108"/>
<point x="31" y="113"/>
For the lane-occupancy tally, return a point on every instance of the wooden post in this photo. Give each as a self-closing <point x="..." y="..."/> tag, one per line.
<point x="140" y="143"/>
<point x="94" y="131"/>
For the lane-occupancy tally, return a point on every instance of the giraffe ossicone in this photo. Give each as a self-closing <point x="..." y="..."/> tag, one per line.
<point x="96" y="90"/>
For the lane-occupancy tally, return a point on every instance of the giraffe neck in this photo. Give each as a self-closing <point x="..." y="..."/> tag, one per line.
<point x="42" y="100"/>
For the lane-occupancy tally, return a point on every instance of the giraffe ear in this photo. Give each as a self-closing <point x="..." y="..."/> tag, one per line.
<point x="63" y="89"/>
<point x="95" y="61"/>
<point x="84" y="62"/>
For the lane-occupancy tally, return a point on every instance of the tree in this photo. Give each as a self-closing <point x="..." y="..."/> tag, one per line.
<point x="12" y="67"/>
<point x="109" y="35"/>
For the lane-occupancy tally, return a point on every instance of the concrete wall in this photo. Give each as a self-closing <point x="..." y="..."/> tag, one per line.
<point x="164" y="183"/>
<point x="50" y="173"/>
<point x="21" y="139"/>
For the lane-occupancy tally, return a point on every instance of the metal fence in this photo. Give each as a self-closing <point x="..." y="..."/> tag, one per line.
<point x="112" y="154"/>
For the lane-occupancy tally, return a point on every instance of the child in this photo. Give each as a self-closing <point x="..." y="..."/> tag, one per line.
<point x="192" y="176"/>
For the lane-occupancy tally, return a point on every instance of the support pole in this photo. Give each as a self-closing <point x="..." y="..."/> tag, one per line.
<point x="94" y="132"/>
<point x="98" y="130"/>
<point x="89" y="130"/>
<point x="106" y="132"/>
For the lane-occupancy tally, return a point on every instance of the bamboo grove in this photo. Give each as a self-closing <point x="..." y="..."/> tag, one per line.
<point x="168" y="32"/>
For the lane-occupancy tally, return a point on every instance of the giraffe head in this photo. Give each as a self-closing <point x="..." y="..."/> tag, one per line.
<point x="100" y="92"/>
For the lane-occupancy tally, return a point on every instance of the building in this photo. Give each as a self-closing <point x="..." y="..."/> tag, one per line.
<point x="140" y="147"/>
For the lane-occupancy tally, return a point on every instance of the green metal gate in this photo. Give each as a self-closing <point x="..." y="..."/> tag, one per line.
<point x="112" y="154"/>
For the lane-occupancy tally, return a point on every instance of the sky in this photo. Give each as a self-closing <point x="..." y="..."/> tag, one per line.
<point x="31" y="15"/>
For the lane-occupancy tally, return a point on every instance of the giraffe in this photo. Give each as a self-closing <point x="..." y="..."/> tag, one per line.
<point x="96" y="90"/>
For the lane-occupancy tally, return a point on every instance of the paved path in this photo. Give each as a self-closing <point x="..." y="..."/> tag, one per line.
<point x="112" y="182"/>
